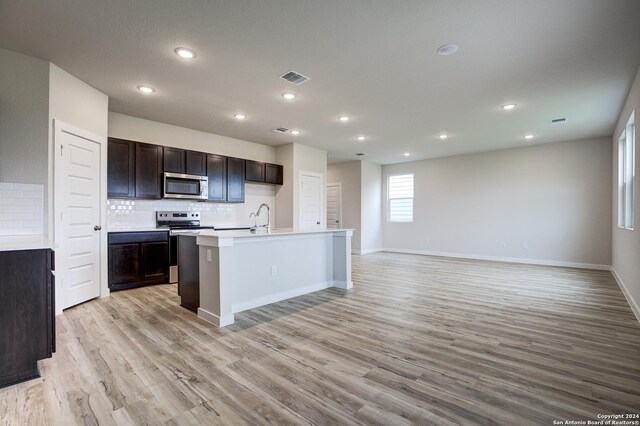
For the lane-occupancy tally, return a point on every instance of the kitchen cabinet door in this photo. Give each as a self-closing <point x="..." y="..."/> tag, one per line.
<point x="26" y="310"/>
<point x="235" y="180"/>
<point x="196" y="163"/>
<point x="148" y="171"/>
<point x="273" y="173"/>
<point x="173" y="160"/>
<point x="124" y="264"/>
<point x="121" y="168"/>
<point x="254" y="171"/>
<point x="217" y="173"/>
<point x="155" y="261"/>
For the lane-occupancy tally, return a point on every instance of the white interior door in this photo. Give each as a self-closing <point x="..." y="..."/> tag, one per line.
<point x="334" y="206"/>
<point x="78" y="207"/>
<point x="310" y="200"/>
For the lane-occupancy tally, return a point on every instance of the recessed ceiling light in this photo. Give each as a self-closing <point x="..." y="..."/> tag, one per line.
<point x="185" y="53"/>
<point x="529" y="136"/>
<point x="507" y="107"/>
<point x="344" y="118"/>
<point x="447" y="49"/>
<point x="146" y="89"/>
<point x="239" y="116"/>
<point x="361" y="138"/>
<point x="443" y="136"/>
<point x="406" y="154"/>
<point x="295" y="132"/>
<point x="289" y="96"/>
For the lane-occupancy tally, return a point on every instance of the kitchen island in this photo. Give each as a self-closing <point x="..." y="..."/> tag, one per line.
<point x="240" y="270"/>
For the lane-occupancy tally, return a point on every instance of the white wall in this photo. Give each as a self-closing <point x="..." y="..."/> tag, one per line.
<point x="308" y="159"/>
<point x="626" y="243"/>
<point x="371" y="207"/>
<point x="24" y="109"/>
<point x="141" y="130"/>
<point x="348" y="175"/>
<point x="76" y="103"/>
<point x="284" y="194"/>
<point x="296" y="158"/>
<point x="555" y="198"/>
<point x="133" y="128"/>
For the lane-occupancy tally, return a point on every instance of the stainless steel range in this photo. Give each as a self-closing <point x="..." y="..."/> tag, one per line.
<point x="177" y="222"/>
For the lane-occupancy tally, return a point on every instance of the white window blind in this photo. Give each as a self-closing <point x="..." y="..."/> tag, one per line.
<point x="626" y="174"/>
<point x="400" y="198"/>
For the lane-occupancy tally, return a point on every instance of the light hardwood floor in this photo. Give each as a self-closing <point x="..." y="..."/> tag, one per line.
<point x="418" y="340"/>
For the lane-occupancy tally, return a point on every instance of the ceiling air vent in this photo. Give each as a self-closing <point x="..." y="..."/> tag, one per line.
<point x="558" y="120"/>
<point x="360" y="154"/>
<point x="281" y="130"/>
<point x="294" y="77"/>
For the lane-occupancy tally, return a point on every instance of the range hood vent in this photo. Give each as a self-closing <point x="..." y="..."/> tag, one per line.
<point x="281" y="130"/>
<point x="294" y="77"/>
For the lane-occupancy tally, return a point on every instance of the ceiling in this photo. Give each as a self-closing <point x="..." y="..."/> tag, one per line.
<point x="373" y="60"/>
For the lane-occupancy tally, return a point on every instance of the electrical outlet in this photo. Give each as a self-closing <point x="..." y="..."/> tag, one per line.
<point x="503" y="244"/>
<point x="525" y="245"/>
<point x="274" y="270"/>
<point x="209" y="259"/>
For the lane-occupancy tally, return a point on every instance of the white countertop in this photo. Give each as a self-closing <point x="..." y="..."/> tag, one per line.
<point x="25" y="242"/>
<point x="260" y="233"/>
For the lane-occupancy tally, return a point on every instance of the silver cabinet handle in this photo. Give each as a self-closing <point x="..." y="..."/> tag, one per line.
<point x="97" y="228"/>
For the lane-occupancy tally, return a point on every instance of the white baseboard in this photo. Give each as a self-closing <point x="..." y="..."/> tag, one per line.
<point x="503" y="259"/>
<point x="632" y="303"/>
<point x="343" y="284"/>
<point x="278" y="297"/>
<point x="215" y="319"/>
<point x="367" y="251"/>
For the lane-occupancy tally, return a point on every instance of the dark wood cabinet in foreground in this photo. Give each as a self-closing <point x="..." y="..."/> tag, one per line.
<point x="27" y="313"/>
<point x="137" y="259"/>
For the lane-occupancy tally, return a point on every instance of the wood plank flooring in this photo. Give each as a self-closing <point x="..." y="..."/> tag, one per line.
<point x="419" y="340"/>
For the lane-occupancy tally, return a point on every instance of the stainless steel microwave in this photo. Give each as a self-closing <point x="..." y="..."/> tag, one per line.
<point x="185" y="187"/>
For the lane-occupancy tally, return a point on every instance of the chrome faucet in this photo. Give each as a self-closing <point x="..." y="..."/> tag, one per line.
<point x="268" y="224"/>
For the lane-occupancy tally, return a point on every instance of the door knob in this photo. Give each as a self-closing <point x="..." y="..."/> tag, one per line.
<point x="337" y="221"/>
<point x="97" y="228"/>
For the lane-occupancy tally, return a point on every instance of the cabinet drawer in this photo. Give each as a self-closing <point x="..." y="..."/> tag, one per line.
<point x="138" y="237"/>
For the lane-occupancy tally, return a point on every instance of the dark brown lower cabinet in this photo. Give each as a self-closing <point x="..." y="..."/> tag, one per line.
<point x="189" y="273"/>
<point x="27" y="309"/>
<point x="137" y="259"/>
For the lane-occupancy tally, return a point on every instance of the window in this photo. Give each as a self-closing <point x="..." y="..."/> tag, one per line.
<point x="400" y="196"/>
<point x="626" y="174"/>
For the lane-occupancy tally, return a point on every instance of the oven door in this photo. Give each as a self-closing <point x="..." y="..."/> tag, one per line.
<point x="188" y="187"/>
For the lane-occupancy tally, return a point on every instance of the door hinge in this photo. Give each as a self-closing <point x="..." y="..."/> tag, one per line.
<point x="61" y="146"/>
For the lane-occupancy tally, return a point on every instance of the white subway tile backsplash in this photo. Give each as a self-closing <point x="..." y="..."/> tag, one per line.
<point x="21" y="209"/>
<point x="122" y="214"/>
<point x="25" y="187"/>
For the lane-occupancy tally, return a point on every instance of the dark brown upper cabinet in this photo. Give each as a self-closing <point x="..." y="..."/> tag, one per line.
<point x="121" y="168"/>
<point x="178" y="160"/>
<point x="273" y="173"/>
<point x="217" y="173"/>
<point x="235" y="180"/>
<point x="263" y="172"/>
<point x="254" y="171"/>
<point x="148" y="171"/>
<point x="174" y="160"/>
<point x="196" y="163"/>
